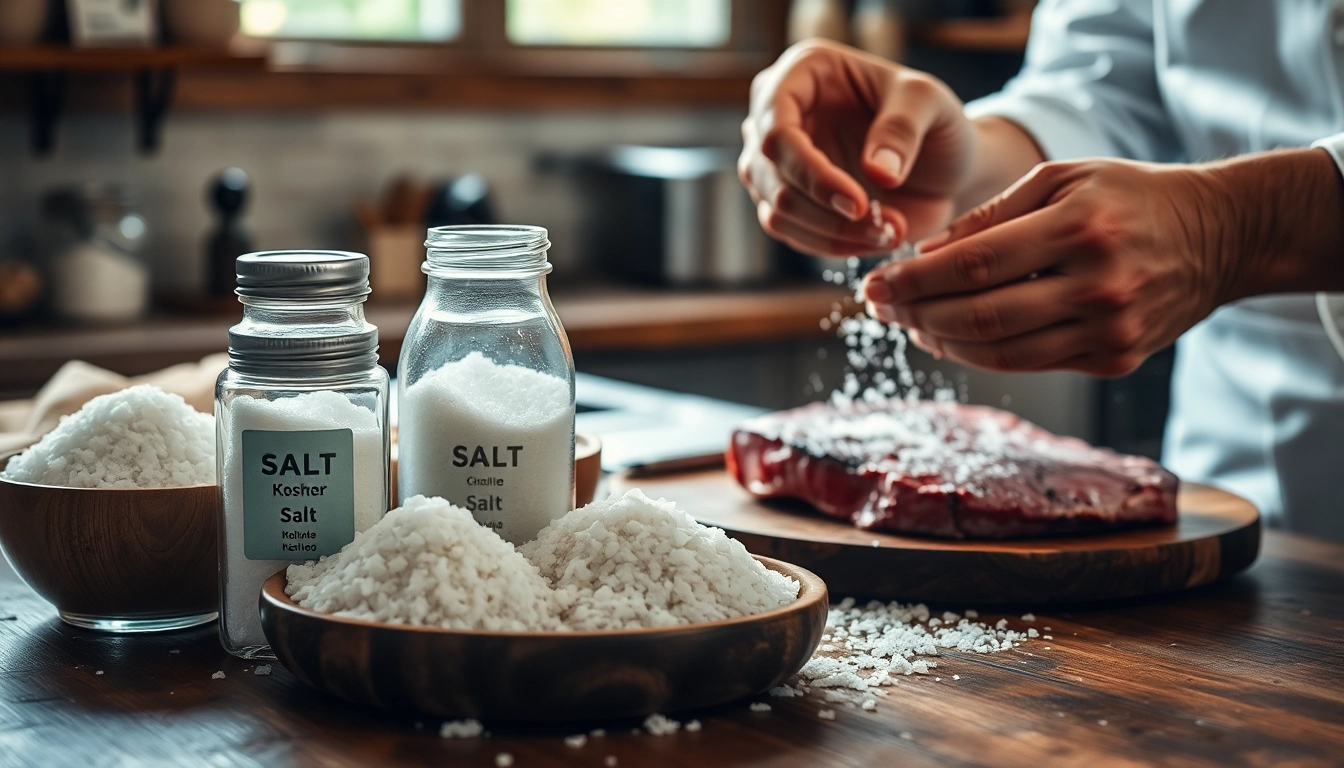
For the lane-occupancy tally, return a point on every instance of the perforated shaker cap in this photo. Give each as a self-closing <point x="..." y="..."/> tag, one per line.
<point x="303" y="275"/>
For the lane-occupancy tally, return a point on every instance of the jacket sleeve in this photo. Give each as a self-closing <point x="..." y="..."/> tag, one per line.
<point x="1088" y="86"/>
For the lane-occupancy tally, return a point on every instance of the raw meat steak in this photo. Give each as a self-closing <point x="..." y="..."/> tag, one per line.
<point x="946" y="469"/>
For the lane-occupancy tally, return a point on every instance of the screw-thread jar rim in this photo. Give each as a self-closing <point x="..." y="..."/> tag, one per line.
<point x="486" y="251"/>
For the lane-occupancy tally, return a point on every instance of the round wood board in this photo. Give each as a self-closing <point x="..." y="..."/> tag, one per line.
<point x="1218" y="534"/>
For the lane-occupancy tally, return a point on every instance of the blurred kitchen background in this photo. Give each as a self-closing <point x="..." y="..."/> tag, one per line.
<point x="144" y="145"/>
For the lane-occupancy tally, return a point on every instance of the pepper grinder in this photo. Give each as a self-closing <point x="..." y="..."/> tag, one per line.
<point x="227" y="195"/>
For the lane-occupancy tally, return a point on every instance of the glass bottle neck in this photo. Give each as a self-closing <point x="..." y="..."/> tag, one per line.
<point x="331" y="316"/>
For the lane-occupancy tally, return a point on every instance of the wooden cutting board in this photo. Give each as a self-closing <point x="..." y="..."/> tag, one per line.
<point x="1218" y="534"/>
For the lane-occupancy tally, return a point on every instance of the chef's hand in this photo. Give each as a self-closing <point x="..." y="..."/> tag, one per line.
<point x="1094" y="265"/>
<point x="831" y="127"/>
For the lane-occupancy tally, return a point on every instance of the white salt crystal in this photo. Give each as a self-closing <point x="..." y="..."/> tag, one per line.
<point x="826" y="714"/>
<point x="99" y="672"/>
<point x="869" y="705"/>
<point x="760" y="706"/>
<point x="956" y="677"/>
<point x="140" y="437"/>
<point x="971" y="613"/>
<point x="597" y="733"/>
<point x="784" y="692"/>
<point x="503" y="760"/>
<point x="1045" y="637"/>
<point x="218" y="675"/>
<point x="907" y="735"/>
<point x="661" y="725"/>
<point x="1101" y="722"/>
<point x="576" y="741"/>
<point x="1032" y="633"/>
<point x="461" y="729"/>
<point x="1028" y="617"/>
<point x="610" y="761"/>
<point x="477" y="401"/>
<point x="1001" y="624"/>
<point x="262" y="669"/>
<point x="693" y="726"/>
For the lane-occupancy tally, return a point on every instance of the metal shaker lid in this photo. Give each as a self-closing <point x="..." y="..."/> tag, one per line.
<point x="303" y="275"/>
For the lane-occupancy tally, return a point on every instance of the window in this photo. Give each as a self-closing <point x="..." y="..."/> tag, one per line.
<point x="629" y="23"/>
<point x="398" y="20"/>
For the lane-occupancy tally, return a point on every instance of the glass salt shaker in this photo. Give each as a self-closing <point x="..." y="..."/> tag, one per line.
<point x="301" y="423"/>
<point x="486" y="383"/>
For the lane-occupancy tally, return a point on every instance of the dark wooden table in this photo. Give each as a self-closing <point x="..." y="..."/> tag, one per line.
<point x="1245" y="672"/>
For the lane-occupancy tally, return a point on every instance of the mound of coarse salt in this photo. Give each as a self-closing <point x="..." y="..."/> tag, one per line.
<point x="629" y="562"/>
<point x="428" y="563"/>
<point x="141" y="437"/>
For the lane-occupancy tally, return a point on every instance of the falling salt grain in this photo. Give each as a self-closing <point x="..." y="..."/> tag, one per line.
<point x="461" y="729"/>
<point x="908" y="736"/>
<point x="971" y="613"/>
<point x="610" y="761"/>
<point x="99" y="672"/>
<point x="576" y="741"/>
<point x="1033" y="633"/>
<point x="693" y="726"/>
<point x="1001" y="624"/>
<point x="760" y="706"/>
<point x="503" y="760"/>
<point x="217" y="676"/>
<point x="597" y="733"/>
<point x="1101" y="722"/>
<point x="1028" y="617"/>
<point x="826" y="714"/>
<point x="1043" y="637"/>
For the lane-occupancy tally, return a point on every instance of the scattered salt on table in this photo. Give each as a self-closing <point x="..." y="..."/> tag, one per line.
<point x="661" y="725"/>
<point x="826" y="714"/>
<point x="218" y="675"/>
<point x="262" y="669"/>
<point x="760" y="706"/>
<point x="869" y="704"/>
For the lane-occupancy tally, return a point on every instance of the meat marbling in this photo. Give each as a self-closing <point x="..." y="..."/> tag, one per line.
<point x="946" y="469"/>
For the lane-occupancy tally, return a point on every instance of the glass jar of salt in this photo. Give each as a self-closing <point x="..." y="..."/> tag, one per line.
<point x="486" y="383"/>
<point x="301" y="422"/>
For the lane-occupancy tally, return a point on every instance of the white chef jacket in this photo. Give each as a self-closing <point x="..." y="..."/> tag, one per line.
<point x="1258" y="390"/>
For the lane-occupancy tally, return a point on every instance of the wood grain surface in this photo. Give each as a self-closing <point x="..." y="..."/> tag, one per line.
<point x="123" y="553"/>
<point x="1217" y="536"/>
<point x="1249" y="671"/>
<point x="546" y="676"/>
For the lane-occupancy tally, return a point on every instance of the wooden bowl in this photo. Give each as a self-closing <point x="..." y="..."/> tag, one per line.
<point x="116" y="559"/>
<point x="587" y="468"/>
<point x="546" y="676"/>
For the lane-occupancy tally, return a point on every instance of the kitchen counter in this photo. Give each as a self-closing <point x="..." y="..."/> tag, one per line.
<point x="1247" y="672"/>
<point x="595" y="318"/>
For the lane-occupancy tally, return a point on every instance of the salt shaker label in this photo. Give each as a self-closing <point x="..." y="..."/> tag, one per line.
<point x="298" y="493"/>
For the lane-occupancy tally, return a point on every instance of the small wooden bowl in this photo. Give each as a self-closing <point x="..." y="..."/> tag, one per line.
<point x="587" y="468"/>
<point x="116" y="559"/>
<point x="546" y="676"/>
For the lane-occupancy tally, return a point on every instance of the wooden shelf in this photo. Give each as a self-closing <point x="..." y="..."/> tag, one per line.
<point x="605" y="319"/>
<point x="1006" y="34"/>
<point x="66" y="59"/>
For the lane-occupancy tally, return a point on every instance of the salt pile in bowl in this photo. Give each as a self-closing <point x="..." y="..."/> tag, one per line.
<point x="622" y="563"/>
<point x="628" y="562"/>
<point x="140" y="437"/>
